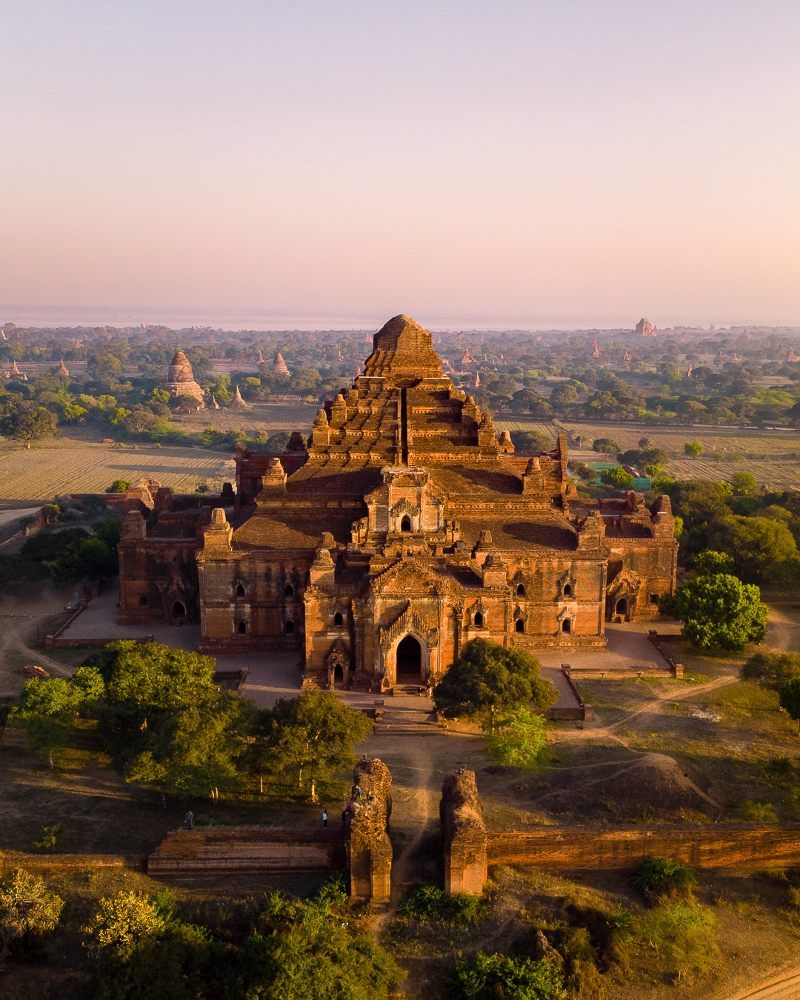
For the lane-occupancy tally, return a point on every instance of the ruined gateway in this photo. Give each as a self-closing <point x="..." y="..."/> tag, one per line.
<point x="401" y="529"/>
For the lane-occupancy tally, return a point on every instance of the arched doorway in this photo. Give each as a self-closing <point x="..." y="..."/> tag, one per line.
<point x="409" y="660"/>
<point x="622" y="606"/>
<point x="178" y="613"/>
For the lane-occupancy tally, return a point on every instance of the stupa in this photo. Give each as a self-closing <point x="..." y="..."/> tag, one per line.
<point x="279" y="366"/>
<point x="180" y="379"/>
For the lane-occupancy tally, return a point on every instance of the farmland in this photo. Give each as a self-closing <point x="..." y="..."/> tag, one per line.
<point x="66" y="465"/>
<point x="773" y="457"/>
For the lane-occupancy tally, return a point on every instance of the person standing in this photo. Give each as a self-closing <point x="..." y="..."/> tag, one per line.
<point x="325" y="817"/>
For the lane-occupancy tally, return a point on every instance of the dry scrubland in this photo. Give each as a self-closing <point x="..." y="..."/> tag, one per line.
<point x="773" y="457"/>
<point x="269" y="417"/>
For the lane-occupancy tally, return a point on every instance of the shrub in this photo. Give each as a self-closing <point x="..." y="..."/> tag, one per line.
<point x="429" y="903"/>
<point x="519" y="740"/>
<point x="49" y="837"/>
<point x="503" y="977"/>
<point x="656" y="877"/>
<point x="758" y="812"/>
<point x="772" y="668"/>
<point x="118" y="486"/>
<point x="683" y="936"/>
<point x="27" y="909"/>
<point x="122" y="923"/>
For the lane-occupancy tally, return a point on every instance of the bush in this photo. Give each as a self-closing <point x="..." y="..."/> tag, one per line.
<point x="27" y="909"/>
<point x="118" y="486"/>
<point x="49" y="837"/>
<point x="519" y="740"/>
<point x="429" y="903"/>
<point x="758" y="812"/>
<point x="656" y="877"/>
<point x="772" y="668"/>
<point x="683" y="936"/>
<point x="503" y="977"/>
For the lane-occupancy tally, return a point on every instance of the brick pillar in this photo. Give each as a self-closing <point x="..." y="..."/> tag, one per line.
<point x="464" y="839"/>
<point x="369" y="850"/>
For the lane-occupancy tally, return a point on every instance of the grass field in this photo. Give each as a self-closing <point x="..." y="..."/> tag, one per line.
<point x="773" y="457"/>
<point x="65" y="465"/>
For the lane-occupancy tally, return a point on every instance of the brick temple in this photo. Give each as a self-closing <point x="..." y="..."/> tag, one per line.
<point x="401" y="529"/>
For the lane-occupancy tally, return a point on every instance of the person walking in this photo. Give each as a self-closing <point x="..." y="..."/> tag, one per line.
<point x="324" y="817"/>
<point x="188" y="820"/>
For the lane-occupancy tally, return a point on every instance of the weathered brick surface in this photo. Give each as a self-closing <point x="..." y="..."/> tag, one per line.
<point x="713" y="846"/>
<point x="369" y="850"/>
<point x="464" y="840"/>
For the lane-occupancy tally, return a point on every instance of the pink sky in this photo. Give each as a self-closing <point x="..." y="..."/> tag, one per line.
<point x="527" y="164"/>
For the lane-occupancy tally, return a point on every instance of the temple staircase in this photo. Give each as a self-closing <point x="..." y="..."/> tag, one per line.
<point x="407" y="712"/>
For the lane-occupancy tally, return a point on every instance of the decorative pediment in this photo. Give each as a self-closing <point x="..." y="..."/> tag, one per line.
<point x="566" y="587"/>
<point x="405" y="507"/>
<point x="408" y="576"/>
<point x="408" y="621"/>
<point x="627" y="582"/>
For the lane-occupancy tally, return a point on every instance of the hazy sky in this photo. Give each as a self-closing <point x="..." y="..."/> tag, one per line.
<point x="502" y="163"/>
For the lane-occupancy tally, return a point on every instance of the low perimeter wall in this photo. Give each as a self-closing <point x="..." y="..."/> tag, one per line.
<point x="713" y="846"/>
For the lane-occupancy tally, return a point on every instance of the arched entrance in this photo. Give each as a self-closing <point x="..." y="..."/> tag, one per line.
<point x="178" y="613"/>
<point x="409" y="661"/>
<point x="622" y="606"/>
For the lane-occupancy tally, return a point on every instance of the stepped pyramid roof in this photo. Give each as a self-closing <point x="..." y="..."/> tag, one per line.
<point x="403" y="350"/>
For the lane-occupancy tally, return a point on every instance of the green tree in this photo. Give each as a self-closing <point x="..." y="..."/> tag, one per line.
<point x="47" y="709"/>
<point x="489" y="680"/>
<point x="744" y="484"/>
<point x="168" y="724"/>
<point x="693" y="448"/>
<point x="709" y="562"/>
<point x="315" y="949"/>
<point x="27" y="909"/>
<point x="519" y="740"/>
<point x="718" y="611"/>
<point x="608" y="445"/>
<point x="616" y="476"/>
<point x="118" y="486"/>
<point x="506" y="977"/>
<point x="532" y="442"/>
<point x="772" y="668"/>
<point x="763" y="549"/>
<point x="789" y="699"/>
<point x="121" y="924"/>
<point x="25" y="421"/>
<point x="311" y="739"/>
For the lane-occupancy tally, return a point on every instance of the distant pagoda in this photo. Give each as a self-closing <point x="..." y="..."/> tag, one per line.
<point x="180" y="379"/>
<point x="279" y="366"/>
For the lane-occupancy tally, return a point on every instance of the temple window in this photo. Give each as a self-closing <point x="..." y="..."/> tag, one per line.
<point x="405" y="524"/>
<point x="566" y="626"/>
<point x="338" y="620"/>
<point x="288" y="627"/>
<point x="567" y="590"/>
<point x="288" y="590"/>
<point x="240" y="590"/>
<point x="520" y="590"/>
<point x="241" y="628"/>
<point x="519" y="625"/>
<point x="478" y="620"/>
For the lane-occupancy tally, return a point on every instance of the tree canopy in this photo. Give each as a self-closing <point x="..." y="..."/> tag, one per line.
<point x="488" y="679"/>
<point x="718" y="611"/>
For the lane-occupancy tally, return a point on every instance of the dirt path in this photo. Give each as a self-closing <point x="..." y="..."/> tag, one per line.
<point x="785" y="986"/>
<point x="783" y="630"/>
<point x="412" y="816"/>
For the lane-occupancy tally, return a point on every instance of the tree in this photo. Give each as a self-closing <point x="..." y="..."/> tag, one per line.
<point x="789" y="699"/>
<point x="168" y="724"/>
<point x="519" y="740"/>
<point x="313" y="948"/>
<point x="616" y="476"/>
<point x="533" y="442"/>
<point x="25" y="421"/>
<point x="608" y="445"/>
<point x="709" y="562"/>
<point x="488" y="680"/>
<point x="744" y="484"/>
<point x="311" y="739"/>
<point x="27" y="909"/>
<point x="118" y="486"/>
<point x="121" y="924"/>
<point x="772" y="668"/>
<point x="763" y="549"/>
<point x="693" y="448"/>
<point x="718" y="611"/>
<point x="47" y="709"/>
